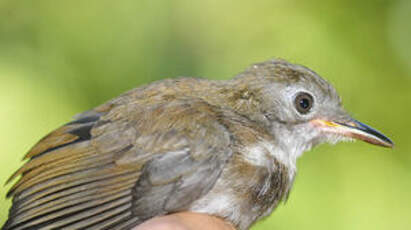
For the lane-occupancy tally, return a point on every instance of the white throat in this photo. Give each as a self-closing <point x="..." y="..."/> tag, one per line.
<point x="285" y="150"/>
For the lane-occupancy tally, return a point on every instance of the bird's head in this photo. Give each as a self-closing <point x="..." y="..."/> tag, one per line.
<point x="301" y="109"/>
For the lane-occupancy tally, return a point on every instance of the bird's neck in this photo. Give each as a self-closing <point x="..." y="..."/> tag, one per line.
<point x="244" y="98"/>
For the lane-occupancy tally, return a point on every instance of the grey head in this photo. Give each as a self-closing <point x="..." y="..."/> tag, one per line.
<point x="301" y="109"/>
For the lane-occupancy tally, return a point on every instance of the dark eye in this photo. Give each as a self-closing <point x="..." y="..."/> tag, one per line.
<point x="303" y="103"/>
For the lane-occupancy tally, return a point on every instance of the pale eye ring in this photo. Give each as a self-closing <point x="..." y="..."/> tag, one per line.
<point x="303" y="102"/>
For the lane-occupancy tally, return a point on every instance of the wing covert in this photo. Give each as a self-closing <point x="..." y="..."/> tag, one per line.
<point x="117" y="166"/>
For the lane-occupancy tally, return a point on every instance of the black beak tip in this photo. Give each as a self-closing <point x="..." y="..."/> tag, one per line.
<point x="378" y="137"/>
<point x="390" y="143"/>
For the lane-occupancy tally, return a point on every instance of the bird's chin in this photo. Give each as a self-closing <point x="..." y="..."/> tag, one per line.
<point x="328" y="134"/>
<point x="323" y="137"/>
<point x="334" y="138"/>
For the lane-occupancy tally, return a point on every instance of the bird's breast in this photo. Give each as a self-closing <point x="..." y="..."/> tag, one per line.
<point x="250" y="187"/>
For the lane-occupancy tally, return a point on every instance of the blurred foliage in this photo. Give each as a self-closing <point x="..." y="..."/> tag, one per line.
<point x="58" y="58"/>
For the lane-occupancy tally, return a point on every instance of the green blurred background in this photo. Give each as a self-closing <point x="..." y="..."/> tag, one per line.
<point x="58" y="58"/>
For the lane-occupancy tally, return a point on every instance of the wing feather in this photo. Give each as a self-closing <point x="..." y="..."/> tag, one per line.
<point x="117" y="168"/>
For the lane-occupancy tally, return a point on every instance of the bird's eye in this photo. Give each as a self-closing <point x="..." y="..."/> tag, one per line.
<point x="303" y="103"/>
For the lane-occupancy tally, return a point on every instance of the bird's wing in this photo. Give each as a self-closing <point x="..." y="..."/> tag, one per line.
<point x="118" y="165"/>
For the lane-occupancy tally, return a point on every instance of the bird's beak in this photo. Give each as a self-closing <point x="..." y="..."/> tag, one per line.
<point x="355" y="129"/>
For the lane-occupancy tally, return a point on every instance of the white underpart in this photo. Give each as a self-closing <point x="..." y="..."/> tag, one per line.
<point x="260" y="154"/>
<point x="223" y="204"/>
<point x="257" y="155"/>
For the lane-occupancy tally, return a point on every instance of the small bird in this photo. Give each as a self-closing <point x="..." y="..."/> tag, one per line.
<point x="226" y="148"/>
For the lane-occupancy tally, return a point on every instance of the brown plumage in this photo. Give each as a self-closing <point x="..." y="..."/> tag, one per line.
<point x="174" y="145"/>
